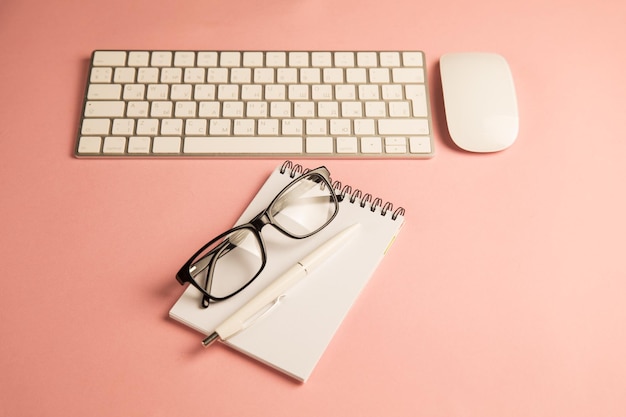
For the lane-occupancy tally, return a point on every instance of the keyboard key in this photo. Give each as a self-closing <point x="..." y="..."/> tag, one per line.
<point x="95" y="126"/>
<point x="184" y="59"/>
<point x="367" y="59"/>
<point x="233" y="109"/>
<point x="196" y="127"/>
<point x="417" y="94"/>
<point x="89" y="144"/>
<point x="104" y="108"/>
<point x="316" y="127"/>
<point x="219" y="127"/>
<point x="267" y="127"/>
<point x="114" y="145"/>
<point x="124" y="75"/>
<point x="356" y="75"/>
<point x="244" y="127"/>
<point x="194" y="75"/>
<point x="166" y="144"/>
<point x="413" y="59"/>
<point x="293" y="127"/>
<point x="172" y="127"/>
<point x="101" y="75"/>
<point x="395" y="144"/>
<point x="133" y="91"/>
<point x="420" y="144"/>
<point x="204" y="92"/>
<point x="227" y="92"/>
<point x="345" y="92"/>
<point x="253" y="59"/>
<point x="180" y="92"/>
<point x="310" y="75"/>
<point x="347" y="145"/>
<point x="375" y="109"/>
<point x="207" y="59"/>
<point x="275" y="92"/>
<point x="351" y="109"/>
<point x="369" y="92"/>
<point x="319" y="144"/>
<point x="379" y="75"/>
<point x="139" y="145"/>
<point x="392" y="92"/>
<point x="138" y="59"/>
<point x="137" y="109"/>
<point x="298" y="59"/>
<point x="161" y="109"/>
<point x="322" y="92"/>
<point x="328" y="109"/>
<point x="390" y="59"/>
<point x="230" y="59"/>
<point x="280" y="109"/>
<point x="148" y="75"/>
<point x="104" y="92"/>
<point x="344" y="59"/>
<point x="364" y="127"/>
<point x="373" y="145"/>
<point x="340" y="127"/>
<point x="158" y="92"/>
<point x="240" y="75"/>
<point x="148" y="127"/>
<point x="408" y="75"/>
<point x="251" y="92"/>
<point x="109" y="58"/>
<point x="322" y="59"/>
<point x="276" y="59"/>
<point x="263" y="75"/>
<point x="399" y="109"/>
<point x="171" y="75"/>
<point x="161" y="59"/>
<point x="123" y="127"/>
<point x="257" y="109"/>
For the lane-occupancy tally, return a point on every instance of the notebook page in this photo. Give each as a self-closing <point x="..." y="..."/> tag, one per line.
<point x="294" y="335"/>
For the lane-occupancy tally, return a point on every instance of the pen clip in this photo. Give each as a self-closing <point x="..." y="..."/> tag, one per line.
<point x="259" y="315"/>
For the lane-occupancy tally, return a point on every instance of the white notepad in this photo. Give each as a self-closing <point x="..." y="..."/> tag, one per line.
<point x="294" y="335"/>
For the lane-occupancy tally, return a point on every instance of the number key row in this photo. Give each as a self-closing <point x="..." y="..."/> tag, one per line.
<point x="124" y="75"/>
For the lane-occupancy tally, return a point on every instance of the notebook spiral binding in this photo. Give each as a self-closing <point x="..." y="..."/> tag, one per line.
<point x="364" y="199"/>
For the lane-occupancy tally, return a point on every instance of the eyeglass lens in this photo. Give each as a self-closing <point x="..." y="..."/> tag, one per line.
<point x="305" y="207"/>
<point x="236" y="258"/>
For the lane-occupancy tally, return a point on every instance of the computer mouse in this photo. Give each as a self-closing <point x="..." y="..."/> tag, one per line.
<point x="479" y="100"/>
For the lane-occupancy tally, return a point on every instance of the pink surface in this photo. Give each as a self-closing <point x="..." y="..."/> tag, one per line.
<point x="504" y="295"/>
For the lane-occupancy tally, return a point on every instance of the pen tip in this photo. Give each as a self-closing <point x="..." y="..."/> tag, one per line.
<point x="210" y="339"/>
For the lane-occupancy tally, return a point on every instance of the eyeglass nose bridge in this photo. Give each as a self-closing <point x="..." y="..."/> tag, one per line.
<point x="261" y="220"/>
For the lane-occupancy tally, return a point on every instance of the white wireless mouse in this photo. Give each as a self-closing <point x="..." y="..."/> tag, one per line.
<point x="480" y="101"/>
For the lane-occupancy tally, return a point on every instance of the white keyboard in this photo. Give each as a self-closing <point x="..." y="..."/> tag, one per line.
<point x="322" y="104"/>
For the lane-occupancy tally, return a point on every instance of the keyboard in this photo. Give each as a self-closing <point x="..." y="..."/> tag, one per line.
<point x="248" y="104"/>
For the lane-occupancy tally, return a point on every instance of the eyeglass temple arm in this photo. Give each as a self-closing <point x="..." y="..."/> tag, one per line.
<point x="223" y="248"/>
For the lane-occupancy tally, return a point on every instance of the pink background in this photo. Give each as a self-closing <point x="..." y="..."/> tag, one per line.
<point x="504" y="295"/>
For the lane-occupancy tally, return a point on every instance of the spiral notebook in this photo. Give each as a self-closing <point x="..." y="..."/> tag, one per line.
<point x="295" y="334"/>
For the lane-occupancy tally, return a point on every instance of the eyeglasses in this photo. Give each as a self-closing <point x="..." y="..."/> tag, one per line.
<point x="230" y="262"/>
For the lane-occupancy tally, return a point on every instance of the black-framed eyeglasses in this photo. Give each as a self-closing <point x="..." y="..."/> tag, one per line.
<point x="231" y="261"/>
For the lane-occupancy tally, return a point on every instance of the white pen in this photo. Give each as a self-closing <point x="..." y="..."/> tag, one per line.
<point x="269" y="295"/>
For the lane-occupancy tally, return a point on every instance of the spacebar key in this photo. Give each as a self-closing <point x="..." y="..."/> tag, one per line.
<point x="243" y="145"/>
